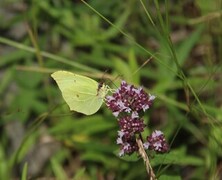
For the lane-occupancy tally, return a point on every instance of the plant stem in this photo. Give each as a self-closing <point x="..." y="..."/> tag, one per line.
<point x="143" y="154"/>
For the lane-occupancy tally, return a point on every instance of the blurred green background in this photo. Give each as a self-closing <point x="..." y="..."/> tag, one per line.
<point x="171" y="48"/>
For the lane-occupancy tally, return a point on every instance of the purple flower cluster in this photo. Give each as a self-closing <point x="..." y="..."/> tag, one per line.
<point x="129" y="99"/>
<point x="157" y="142"/>
<point x="127" y="103"/>
<point x="127" y="144"/>
<point x="131" y="126"/>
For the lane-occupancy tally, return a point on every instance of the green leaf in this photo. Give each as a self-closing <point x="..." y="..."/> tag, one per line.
<point x="178" y="157"/>
<point x="88" y="125"/>
<point x="28" y="79"/>
<point x="80" y="174"/>
<point x="183" y="51"/>
<point x="58" y="169"/>
<point x="25" y="171"/>
<point x="128" y="158"/>
<point x="99" y="158"/>
<point x="169" y="177"/>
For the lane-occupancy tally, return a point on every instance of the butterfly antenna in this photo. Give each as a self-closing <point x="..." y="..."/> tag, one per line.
<point x="144" y="64"/>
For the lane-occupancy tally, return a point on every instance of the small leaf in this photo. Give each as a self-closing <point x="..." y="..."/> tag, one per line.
<point x="24" y="171"/>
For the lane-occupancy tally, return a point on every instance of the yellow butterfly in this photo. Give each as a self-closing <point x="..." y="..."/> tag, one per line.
<point x="81" y="93"/>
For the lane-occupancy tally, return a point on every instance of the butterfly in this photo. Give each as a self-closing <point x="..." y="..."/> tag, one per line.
<point x="82" y="94"/>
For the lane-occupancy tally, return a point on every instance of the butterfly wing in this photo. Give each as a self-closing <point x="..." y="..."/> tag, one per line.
<point x="79" y="92"/>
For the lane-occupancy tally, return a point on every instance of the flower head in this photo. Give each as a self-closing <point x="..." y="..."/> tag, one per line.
<point x="157" y="142"/>
<point x="127" y="144"/>
<point x="131" y="126"/>
<point x="129" y="99"/>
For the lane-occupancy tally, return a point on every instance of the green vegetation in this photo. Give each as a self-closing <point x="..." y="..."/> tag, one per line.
<point x="172" y="48"/>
